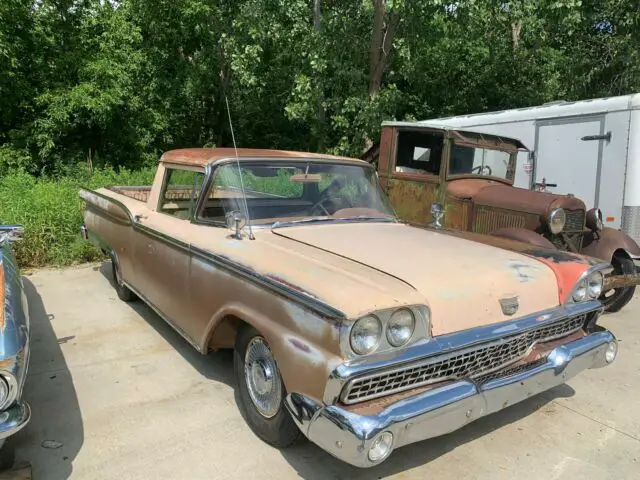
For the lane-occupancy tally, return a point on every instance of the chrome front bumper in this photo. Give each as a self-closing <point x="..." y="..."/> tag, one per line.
<point x="348" y="436"/>
<point x="14" y="419"/>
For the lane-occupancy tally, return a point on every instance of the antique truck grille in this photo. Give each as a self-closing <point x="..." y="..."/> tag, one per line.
<point x="471" y="363"/>
<point x="574" y="220"/>
<point x="489" y="219"/>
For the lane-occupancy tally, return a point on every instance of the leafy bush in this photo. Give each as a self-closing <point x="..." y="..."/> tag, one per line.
<point x="50" y="210"/>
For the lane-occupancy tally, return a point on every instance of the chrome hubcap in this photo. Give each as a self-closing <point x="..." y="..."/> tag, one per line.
<point x="262" y="378"/>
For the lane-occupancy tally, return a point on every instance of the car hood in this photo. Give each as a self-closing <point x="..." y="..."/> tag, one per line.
<point x="495" y="194"/>
<point x="461" y="281"/>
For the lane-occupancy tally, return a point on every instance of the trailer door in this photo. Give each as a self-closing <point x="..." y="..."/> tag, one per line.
<point x="564" y="159"/>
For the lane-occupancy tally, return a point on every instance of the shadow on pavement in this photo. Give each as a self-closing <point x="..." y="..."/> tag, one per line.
<point x="56" y="419"/>
<point x="214" y="366"/>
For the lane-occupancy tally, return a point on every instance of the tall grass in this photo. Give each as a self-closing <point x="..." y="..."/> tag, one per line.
<point x="50" y="210"/>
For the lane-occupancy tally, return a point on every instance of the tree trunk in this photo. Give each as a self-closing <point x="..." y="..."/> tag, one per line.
<point x="317" y="23"/>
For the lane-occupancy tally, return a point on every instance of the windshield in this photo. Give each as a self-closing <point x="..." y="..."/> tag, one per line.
<point x="296" y="190"/>
<point x="475" y="160"/>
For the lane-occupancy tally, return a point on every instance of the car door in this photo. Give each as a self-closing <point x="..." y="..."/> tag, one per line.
<point x="414" y="174"/>
<point x="162" y="246"/>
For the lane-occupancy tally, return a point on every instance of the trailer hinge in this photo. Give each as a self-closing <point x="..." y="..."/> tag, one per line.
<point x="606" y="136"/>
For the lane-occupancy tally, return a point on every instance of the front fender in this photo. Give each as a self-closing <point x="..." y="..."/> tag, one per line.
<point x="525" y="236"/>
<point x="295" y="340"/>
<point x="603" y="244"/>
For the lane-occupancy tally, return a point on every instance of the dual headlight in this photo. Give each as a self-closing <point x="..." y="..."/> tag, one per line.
<point x="369" y="332"/>
<point x="589" y="287"/>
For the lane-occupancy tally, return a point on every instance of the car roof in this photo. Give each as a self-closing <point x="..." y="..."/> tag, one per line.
<point x="204" y="156"/>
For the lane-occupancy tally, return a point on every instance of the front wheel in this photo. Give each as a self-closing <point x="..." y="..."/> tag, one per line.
<point x="613" y="300"/>
<point x="261" y="391"/>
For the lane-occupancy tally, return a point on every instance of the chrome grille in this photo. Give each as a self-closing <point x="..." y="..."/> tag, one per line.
<point x="472" y="362"/>
<point x="505" y="372"/>
<point x="489" y="220"/>
<point x="574" y="221"/>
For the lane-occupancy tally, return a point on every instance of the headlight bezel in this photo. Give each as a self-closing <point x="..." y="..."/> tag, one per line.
<point x="556" y="212"/>
<point x="594" y="219"/>
<point x="421" y="330"/>
<point x="588" y="280"/>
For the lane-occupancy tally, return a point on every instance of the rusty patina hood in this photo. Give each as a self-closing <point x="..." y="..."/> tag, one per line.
<point x="499" y="195"/>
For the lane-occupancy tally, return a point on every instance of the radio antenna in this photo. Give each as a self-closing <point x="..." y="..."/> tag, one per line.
<point x="235" y="148"/>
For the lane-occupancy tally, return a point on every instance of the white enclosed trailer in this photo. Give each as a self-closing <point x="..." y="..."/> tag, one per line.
<point x="589" y="148"/>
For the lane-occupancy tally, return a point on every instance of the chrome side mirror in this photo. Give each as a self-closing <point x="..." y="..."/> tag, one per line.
<point x="437" y="212"/>
<point x="236" y="221"/>
<point x="11" y="233"/>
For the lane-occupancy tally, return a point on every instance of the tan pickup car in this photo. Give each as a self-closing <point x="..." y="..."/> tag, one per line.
<point x="349" y="326"/>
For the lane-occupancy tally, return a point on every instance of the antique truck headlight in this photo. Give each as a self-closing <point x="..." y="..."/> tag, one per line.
<point x="556" y="220"/>
<point x="589" y="287"/>
<point x="594" y="220"/>
<point x="385" y="330"/>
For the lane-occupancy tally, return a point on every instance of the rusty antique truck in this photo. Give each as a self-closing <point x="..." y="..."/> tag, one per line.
<point x="348" y="326"/>
<point x="466" y="178"/>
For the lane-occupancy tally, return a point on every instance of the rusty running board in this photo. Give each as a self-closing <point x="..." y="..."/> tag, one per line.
<point x="618" y="281"/>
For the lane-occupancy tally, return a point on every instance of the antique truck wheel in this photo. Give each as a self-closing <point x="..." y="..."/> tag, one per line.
<point x="261" y="390"/>
<point x="122" y="290"/>
<point x="613" y="300"/>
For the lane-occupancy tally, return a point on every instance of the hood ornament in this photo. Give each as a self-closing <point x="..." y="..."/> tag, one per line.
<point x="437" y="212"/>
<point x="509" y="305"/>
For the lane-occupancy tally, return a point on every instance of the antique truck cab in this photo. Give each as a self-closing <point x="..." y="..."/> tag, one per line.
<point x="466" y="179"/>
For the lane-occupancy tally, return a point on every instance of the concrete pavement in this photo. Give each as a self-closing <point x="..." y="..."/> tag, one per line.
<point x="122" y="396"/>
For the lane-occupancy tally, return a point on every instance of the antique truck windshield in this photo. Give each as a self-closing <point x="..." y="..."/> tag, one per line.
<point x="290" y="191"/>
<point x="473" y="156"/>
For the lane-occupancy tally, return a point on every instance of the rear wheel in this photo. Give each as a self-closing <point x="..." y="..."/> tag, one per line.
<point x="261" y="391"/>
<point x="613" y="300"/>
<point x="124" y="293"/>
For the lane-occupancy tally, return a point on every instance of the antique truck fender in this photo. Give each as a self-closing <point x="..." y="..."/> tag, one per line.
<point x="621" y="250"/>
<point x="605" y="243"/>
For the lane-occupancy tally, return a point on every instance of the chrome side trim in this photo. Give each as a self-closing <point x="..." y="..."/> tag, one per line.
<point x="229" y="265"/>
<point x="444" y="344"/>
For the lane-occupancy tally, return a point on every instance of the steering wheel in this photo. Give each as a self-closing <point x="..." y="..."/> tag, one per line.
<point x="480" y="168"/>
<point x="319" y="203"/>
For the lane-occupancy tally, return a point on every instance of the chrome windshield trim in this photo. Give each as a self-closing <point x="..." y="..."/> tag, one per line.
<point x="444" y="344"/>
<point x="330" y="220"/>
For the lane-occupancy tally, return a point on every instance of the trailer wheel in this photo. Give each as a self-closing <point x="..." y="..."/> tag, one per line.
<point x="124" y="293"/>
<point x="613" y="300"/>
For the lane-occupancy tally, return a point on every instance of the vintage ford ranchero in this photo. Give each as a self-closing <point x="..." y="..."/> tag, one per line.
<point x="359" y="331"/>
